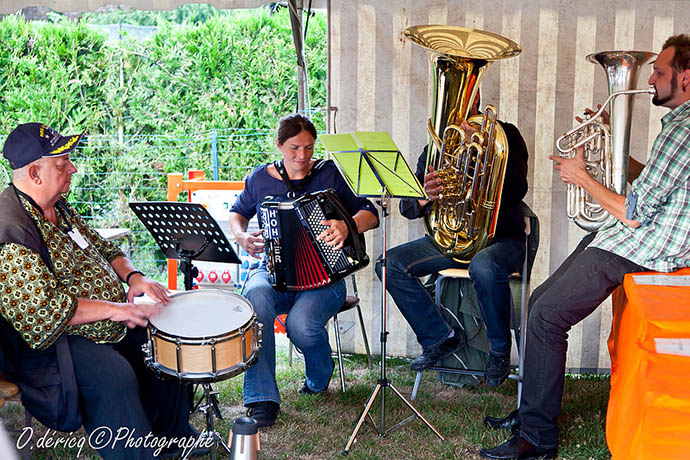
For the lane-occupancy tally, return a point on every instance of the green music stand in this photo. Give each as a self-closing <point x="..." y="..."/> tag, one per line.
<point x="372" y="166"/>
<point x="371" y="162"/>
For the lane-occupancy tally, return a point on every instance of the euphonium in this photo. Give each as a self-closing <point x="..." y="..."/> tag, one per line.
<point x="606" y="149"/>
<point x="463" y="220"/>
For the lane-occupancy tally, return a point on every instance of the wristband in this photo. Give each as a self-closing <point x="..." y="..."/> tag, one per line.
<point x="132" y="273"/>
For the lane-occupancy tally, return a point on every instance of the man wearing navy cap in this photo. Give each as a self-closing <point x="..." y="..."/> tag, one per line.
<point x="69" y="333"/>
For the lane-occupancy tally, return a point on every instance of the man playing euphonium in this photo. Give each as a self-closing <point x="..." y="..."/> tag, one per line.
<point x="652" y="232"/>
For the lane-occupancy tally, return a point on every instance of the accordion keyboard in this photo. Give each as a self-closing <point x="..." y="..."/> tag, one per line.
<point x="313" y="214"/>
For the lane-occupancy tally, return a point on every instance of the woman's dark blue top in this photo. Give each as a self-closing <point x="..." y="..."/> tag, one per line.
<point x="259" y="184"/>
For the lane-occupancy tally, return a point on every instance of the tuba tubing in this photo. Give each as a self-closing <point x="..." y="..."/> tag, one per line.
<point x="471" y="170"/>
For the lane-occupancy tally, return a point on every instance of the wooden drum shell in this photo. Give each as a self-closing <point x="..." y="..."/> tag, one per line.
<point x="208" y="358"/>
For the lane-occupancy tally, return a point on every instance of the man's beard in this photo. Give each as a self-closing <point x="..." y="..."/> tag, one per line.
<point x="674" y="82"/>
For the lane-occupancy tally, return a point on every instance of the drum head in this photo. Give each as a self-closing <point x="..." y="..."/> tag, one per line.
<point x="203" y="313"/>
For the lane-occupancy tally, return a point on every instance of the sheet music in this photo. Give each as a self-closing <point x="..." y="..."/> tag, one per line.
<point x="662" y="280"/>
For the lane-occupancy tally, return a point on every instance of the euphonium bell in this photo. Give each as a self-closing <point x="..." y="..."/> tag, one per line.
<point x="463" y="220"/>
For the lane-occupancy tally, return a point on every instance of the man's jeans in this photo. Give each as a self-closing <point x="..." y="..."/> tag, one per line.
<point x="575" y="290"/>
<point x="489" y="270"/>
<point x="308" y="312"/>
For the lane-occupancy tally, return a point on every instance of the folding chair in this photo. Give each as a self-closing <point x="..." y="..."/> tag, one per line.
<point x="351" y="301"/>
<point x="521" y="279"/>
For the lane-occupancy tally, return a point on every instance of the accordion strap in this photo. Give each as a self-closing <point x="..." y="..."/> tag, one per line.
<point x="280" y="167"/>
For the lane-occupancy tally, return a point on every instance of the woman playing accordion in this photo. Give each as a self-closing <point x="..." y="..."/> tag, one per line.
<point x="297" y="174"/>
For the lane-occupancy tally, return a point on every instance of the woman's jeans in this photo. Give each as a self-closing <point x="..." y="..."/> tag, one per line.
<point x="308" y="312"/>
<point x="489" y="271"/>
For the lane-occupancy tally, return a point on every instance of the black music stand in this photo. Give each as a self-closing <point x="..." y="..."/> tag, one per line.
<point x="186" y="231"/>
<point x="373" y="166"/>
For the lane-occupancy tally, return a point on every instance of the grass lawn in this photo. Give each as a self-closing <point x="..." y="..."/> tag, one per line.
<point x="319" y="426"/>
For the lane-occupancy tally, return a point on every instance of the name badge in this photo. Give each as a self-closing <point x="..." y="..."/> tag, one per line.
<point x="77" y="238"/>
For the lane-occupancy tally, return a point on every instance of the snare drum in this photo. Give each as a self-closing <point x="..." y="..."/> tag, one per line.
<point x="204" y="335"/>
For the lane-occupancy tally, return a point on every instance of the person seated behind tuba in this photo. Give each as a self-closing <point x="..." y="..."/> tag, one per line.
<point x="489" y="268"/>
<point x="70" y="336"/>
<point x="652" y="232"/>
<point x="308" y="311"/>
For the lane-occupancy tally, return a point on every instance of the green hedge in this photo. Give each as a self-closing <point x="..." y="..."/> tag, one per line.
<point x="231" y="71"/>
<point x="152" y="107"/>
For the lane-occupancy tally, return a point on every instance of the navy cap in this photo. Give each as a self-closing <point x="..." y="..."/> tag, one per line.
<point x="31" y="141"/>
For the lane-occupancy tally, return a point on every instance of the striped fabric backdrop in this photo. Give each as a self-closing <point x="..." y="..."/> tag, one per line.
<point x="382" y="82"/>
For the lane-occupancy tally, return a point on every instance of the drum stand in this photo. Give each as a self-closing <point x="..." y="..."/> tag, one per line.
<point x="383" y="381"/>
<point x="187" y="231"/>
<point x="209" y="408"/>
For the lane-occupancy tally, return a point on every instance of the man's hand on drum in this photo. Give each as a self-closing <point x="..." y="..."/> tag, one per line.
<point x="335" y="234"/>
<point x="135" y="314"/>
<point x="140" y="284"/>
<point x="252" y="242"/>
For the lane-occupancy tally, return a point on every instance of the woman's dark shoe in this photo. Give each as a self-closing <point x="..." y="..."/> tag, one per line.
<point x="517" y="448"/>
<point x="510" y="422"/>
<point x="264" y="412"/>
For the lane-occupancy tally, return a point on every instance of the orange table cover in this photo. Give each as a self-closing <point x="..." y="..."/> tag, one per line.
<point x="649" y="407"/>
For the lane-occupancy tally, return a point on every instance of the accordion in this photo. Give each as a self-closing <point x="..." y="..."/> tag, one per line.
<point x="295" y="259"/>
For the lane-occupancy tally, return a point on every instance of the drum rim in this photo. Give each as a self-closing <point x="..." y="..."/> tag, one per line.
<point x="216" y="290"/>
<point x="242" y="329"/>
<point x="223" y="374"/>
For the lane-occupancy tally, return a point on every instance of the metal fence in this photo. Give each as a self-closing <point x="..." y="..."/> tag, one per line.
<point x="115" y="170"/>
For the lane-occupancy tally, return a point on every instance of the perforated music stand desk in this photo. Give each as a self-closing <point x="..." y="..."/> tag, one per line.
<point x="372" y="165"/>
<point x="185" y="231"/>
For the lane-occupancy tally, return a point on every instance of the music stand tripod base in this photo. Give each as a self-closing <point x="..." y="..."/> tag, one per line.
<point x="372" y="165"/>
<point x="383" y="381"/>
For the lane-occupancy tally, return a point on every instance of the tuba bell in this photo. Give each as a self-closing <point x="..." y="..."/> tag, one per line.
<point x="471" y="170"/>
<point x="606" y="149"/>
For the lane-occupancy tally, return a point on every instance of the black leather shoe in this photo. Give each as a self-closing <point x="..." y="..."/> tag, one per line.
<point x="264" y="412"/>
<point x="497" y="369"/>
<point x="510" y="422"/>
<point x="430" y="356"/>
<point x="517" y="448"/>
<point x="305" y="390"/>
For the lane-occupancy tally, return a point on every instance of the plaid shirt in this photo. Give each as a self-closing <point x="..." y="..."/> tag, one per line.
<point x="660" y="200"/>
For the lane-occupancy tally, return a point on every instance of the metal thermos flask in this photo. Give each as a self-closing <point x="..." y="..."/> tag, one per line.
<point x="244" y="444"/>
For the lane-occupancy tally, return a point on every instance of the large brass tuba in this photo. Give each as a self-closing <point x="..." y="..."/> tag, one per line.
<point x="463" y="220"/>
<point x="606" y="149"/>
